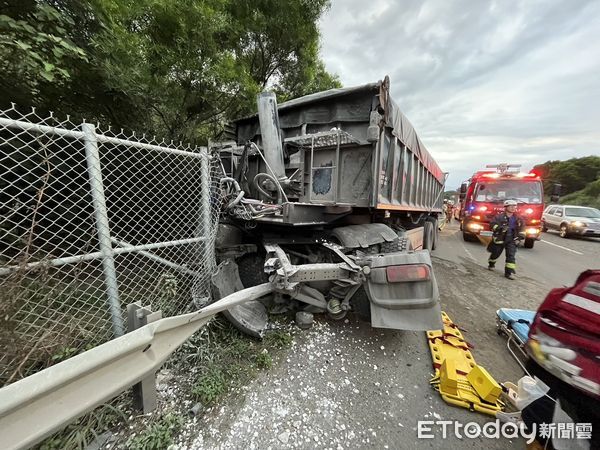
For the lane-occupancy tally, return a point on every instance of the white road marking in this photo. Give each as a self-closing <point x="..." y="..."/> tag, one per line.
<point x="564" y="248"/>
<point x="468" y="252"/>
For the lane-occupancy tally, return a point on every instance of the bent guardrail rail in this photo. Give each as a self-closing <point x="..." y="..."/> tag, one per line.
<point x="33" y="408"/>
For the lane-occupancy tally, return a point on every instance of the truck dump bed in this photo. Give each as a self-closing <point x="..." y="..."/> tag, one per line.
<point x="340" y="140"/>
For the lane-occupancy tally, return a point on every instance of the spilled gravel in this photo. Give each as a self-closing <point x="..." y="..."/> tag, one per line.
<point x="345" y="385"/>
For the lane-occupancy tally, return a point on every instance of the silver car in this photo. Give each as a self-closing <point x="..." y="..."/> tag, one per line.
<point x="571" y="220"/>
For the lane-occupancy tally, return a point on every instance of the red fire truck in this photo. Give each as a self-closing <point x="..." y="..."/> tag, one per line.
<point x="483" y="196"/>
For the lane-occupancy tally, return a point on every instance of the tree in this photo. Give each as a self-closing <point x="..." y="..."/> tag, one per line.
<point x="573" y="174"/>
<point x="35" y="50"/>
<point x="174" y="68"/>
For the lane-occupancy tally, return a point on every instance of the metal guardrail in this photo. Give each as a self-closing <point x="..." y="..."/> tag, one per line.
<point x="34" y="407"/>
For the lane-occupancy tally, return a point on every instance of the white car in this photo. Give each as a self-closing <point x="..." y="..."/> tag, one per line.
<point x="571" y="220"/>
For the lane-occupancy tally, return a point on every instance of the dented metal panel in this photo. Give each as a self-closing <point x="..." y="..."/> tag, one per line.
<point x="379" y="161"/>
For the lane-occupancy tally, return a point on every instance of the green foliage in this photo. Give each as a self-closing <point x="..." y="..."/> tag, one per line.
<point x="64" y="353"/>
<point x="174" y="68"/>
<point x="450" y="195"/>
<point x="82" y="432"/>
<point x="228" y="357"/>
<point x="35" y="50"/>
<point x="264" y="360"/>
<point x="573" y="174"/>
<point x="211" y="386"/>
<point x="158" y="435"/>
<point x="278" y="339"/>
<point x="588" y="196"/>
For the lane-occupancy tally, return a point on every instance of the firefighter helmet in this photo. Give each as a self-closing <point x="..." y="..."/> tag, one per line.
<point x="510" y="203"/>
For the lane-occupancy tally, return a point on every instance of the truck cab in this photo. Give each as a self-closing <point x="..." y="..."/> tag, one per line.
<point x="483" y="196"/>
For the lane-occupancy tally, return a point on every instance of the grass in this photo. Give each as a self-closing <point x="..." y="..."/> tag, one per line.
<point x="158" y="435"/>
<point x="264" y="360"/>
<point x="278" y="339"/>
<point x="211" y="386"/>
<point x="82" y="432"/>
<point x="229" y="358"/>
<point x="44" y="321"/>
<point x="588" y="196"/>
<point x="225" y="359"/>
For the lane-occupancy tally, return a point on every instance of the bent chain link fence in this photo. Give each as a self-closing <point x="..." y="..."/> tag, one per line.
<point x="91" y="222"/>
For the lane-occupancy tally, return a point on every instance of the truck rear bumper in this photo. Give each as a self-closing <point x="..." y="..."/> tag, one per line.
<point x="405" y="305"/>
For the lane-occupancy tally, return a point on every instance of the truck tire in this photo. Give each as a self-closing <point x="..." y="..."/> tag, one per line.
<point x="250" y="268"/>
<point x="528" y="243"/>
<point x="428" y="235"/>
<point x="436" y="234"/>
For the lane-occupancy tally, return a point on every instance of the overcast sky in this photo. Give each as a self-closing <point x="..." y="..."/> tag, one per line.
<point x="482" y="82"/>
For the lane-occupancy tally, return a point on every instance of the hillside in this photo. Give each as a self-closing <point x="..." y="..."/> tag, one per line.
<point x="589" y="196"/>
<point x="579" y="178"/>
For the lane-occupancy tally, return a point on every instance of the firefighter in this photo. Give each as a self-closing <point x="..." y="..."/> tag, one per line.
<point x="507" y="229"/>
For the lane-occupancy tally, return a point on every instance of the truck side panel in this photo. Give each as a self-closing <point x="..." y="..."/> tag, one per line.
<point x="404" y="182"/>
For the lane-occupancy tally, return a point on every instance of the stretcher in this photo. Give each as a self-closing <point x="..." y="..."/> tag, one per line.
<point x="515" y="323"/>
<point x="458" y="378"/>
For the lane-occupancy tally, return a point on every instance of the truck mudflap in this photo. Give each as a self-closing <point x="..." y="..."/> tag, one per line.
<point x="403" y="292"/>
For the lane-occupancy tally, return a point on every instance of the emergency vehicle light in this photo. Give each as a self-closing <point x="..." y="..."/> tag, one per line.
<point x="475" y="227"/>
<point x="528" y="211"/>
<point x="408" y="273"/>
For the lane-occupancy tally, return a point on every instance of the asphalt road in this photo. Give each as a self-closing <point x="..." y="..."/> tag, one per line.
<point x="554" y="261"/>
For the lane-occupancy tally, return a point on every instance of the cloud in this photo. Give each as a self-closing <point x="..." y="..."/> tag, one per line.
<point x="482" y="82"/>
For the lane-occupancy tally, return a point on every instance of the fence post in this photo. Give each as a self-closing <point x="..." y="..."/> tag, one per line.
<point x="200" y="292"/>
<point x="92" y="157"/>
<point x="205" y="209"/>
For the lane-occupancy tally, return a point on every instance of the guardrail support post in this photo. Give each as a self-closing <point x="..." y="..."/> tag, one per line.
<point x="144" y="392"/>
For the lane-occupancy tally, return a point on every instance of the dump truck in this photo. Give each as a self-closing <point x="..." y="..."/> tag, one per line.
<point x="334" y="201"/>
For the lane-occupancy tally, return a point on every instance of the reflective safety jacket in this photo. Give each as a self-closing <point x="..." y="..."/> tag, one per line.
<point x="500" y="227"/>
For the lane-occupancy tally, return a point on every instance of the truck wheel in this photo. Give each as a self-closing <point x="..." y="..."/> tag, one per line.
<point x="428" y="235"/>
<point x="250" y="268"/>
<point x="436" y="235"/>
<point x="528" y="243"/>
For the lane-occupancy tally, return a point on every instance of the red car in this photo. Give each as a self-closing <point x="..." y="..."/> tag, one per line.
<point x="564" y="346"/>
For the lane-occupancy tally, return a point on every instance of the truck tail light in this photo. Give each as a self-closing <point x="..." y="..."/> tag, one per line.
<point x="408" y="273"/>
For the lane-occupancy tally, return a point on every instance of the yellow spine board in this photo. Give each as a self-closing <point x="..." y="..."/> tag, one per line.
<point x="453" y="362"/>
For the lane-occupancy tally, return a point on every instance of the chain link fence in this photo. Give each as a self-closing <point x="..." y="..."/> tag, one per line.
<point x="91" y="222"/>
